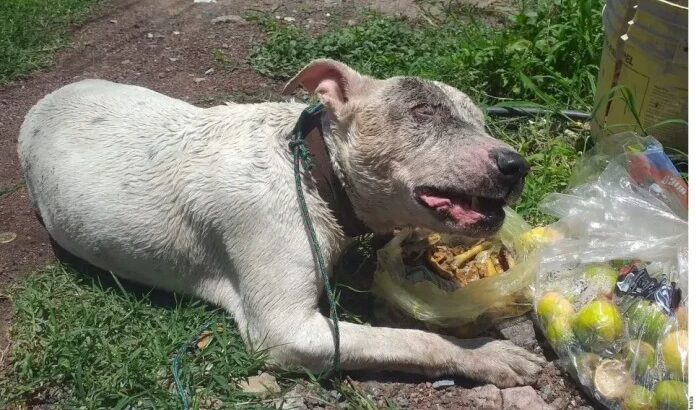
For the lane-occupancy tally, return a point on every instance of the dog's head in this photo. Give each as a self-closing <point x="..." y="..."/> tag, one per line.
<point x="414" y="152"/>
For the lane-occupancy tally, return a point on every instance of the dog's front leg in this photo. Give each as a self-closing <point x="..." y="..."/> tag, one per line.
<point x="309" y="343"/>
<point x="280" y="313"/>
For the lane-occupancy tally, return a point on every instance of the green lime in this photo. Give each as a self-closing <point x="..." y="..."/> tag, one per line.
<point x="602" y="277"/>
<point x="674" y="349"/>
<point x="639" y="398"/>
<point x="671" y="395"/>
<point x="553" y="305"/>
<point x="611" y="379"/>
<point x="559" y="332"/>
<point x="646" y="321"/>
<point x="640" y="356"/>
<point x="598" y="325"/>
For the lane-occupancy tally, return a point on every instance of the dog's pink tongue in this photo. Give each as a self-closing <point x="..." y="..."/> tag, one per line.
<point x="458" y="212"/>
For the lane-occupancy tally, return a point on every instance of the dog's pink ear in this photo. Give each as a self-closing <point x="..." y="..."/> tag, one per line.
<point x="333" y="82"/>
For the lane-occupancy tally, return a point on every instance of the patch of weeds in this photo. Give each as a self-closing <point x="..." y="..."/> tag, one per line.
<point x="552" y="147"/>
<point x="80" y="343"/>
<point x="31" y="30"/>
<point x="224" y="61"/>
<point x="548" y="52"/>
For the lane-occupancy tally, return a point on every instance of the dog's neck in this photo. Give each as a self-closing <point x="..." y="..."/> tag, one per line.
<point x="329" y="185"/>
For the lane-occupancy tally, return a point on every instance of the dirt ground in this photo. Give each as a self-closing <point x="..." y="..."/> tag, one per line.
<point x="168" y="46"/>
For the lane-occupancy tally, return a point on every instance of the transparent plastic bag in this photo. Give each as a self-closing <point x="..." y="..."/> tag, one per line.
<point x="420" y="294"/>
<point x="611" y="294"/>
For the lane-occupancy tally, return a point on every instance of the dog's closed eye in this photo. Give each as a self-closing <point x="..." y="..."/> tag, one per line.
<point x="424" y="111"/>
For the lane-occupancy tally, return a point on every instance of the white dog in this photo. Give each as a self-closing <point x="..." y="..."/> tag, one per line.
<point x="203" y="202"/>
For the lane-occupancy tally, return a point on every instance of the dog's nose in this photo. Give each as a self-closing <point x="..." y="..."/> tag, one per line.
<point x="511" y="164"/>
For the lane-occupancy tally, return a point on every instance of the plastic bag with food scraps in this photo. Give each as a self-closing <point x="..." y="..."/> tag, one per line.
<point x="457" y="285"/>
<point x="611" y="294"/>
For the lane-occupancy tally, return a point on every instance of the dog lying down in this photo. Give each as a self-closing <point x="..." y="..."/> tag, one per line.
<point x="194" y="200"/>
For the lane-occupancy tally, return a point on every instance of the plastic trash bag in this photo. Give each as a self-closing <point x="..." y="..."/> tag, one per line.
<point x="611" y="293"/>
<point x="419" y="293"/>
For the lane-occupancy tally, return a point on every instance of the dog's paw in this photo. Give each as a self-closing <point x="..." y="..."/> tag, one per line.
<point x="501" y="363"/>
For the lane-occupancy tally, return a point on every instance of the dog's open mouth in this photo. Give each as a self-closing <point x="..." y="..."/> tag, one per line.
<point x="463" y="210"/>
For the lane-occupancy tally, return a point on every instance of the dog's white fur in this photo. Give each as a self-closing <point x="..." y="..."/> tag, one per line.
<point x="202" y="201"/>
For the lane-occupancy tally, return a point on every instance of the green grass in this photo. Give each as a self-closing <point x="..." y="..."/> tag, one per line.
<point x="85" y="343"/>
<point x="547" y="53"/>
<point x="31" y="30"/>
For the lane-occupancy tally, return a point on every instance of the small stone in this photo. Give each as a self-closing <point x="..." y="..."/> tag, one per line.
<point x="351" y="22"/>
<point x="546" y="392"/>
<point x="519" y="331"/>
<point x="173" y="59"/>
<point x="293" y="399"/>
<point x="204" y="1"/>
<point x="176" y="33"/>
<point x="523" y="398"/>
<point x="559" y="403"/>
<point x="209" y="71"/>
<point x="198" y="80"/>
<point x="113" y="21"/>
<point x="262" y="385"/>
<point x="328" y="14"/>
<point x="230" y="18"/>
<point x="484" y="398"/>
<point x="441" y="384"/>
<point x="125" y="62"/>
<point x="150" y="35"/>
<point x="289" y="19"/>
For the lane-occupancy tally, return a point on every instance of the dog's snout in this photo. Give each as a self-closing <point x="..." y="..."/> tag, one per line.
<point x="511" y="164"/>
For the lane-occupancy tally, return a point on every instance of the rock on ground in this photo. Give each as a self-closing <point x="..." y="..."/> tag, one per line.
<point x="522" y="398"/>
<point x="262" y="385"/>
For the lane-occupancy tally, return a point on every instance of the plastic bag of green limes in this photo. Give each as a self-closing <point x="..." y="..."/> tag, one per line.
<point x="610" y="294"/>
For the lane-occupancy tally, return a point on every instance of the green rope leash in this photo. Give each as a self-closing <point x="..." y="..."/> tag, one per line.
<point x="298" y="146"/>
<point x="176" y="365"/>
